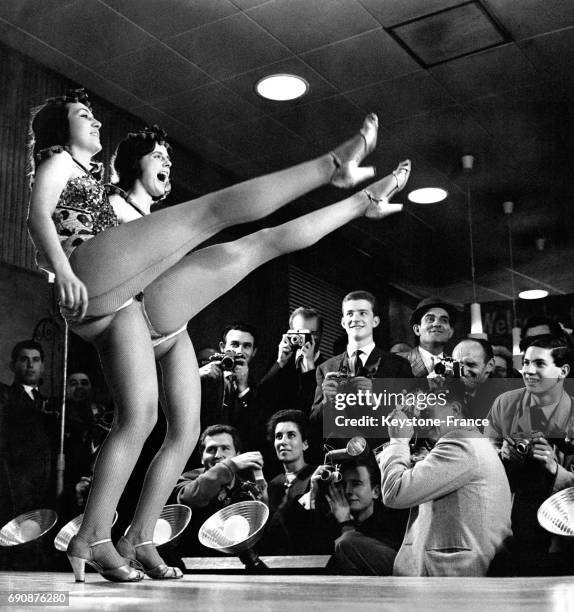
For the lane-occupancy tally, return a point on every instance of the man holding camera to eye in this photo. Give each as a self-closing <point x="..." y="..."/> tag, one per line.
<point x="432" y="322"/>
<point x="290" y="383"/>
<point x="532" y="427"/>
<point x="365" y="533"/>
<point x="458" y="495"/>
<point x="227" y="393"/>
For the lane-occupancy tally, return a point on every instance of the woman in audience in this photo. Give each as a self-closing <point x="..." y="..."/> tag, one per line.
<point x="101" y="265"/>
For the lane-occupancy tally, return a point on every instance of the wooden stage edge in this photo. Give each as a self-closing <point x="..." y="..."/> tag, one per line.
<point x="206" y="592"/>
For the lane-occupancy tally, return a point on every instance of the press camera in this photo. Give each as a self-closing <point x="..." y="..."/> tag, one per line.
<point x="449" y="368"/>
<point x="227" y="360"/>
<point x="298" y="337"/>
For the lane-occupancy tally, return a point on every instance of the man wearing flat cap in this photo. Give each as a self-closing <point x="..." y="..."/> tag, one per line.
<point x="432" y="322"/>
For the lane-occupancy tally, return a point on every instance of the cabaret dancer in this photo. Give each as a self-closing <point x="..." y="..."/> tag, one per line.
<point x="100" y="266"/>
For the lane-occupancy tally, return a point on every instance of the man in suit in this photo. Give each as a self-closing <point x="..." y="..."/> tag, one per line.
<point x="362" y="360"/>
<point x="290" y="383"/>
<point x="458" y="496"/>
<point x="433" y="323"/>
<point x="227" y="391"/>
<point x="27" y="441"/>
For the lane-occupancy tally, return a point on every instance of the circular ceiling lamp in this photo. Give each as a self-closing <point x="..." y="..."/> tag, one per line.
<point x="533" y="294"/>
<point x="282" y="87"/>
<point x="427" y="195"/>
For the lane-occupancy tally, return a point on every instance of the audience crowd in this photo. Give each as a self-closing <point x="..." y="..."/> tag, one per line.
<point x="447" y="488"/>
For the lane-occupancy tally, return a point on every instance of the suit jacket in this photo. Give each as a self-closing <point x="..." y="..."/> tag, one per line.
<point x="28" y="443"/>
<point x="288" y="387"/>
<point x="460" y="505"/>
<point x="220" y="403"/>
<point x="380" y="364"/>
<point x="418" y="367"/>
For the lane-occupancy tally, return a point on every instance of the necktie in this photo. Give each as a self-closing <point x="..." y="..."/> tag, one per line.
<point x="358" y="367"/>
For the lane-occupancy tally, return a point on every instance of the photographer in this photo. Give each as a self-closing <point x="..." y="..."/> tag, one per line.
<point x="227" y="392"/>
<point x="458" y="496"/>
<point x="532" y="427"/>
<point x="227" y="476"/>
<point x="366" y="533"/>
<point x="362" y="361"/>
<point x="290" y="383"/>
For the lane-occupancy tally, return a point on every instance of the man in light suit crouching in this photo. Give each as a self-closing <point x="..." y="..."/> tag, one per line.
<point x="458" y="495"/>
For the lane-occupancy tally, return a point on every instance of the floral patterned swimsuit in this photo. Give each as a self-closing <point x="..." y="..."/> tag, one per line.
<point x="83" y="211"/>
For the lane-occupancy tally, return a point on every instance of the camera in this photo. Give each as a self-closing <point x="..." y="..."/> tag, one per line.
<point x="449" y="368"/>
<point x="226" y="360"/>
<point x="523" y="444"/>
<point x="298" y="337"/>
<point x="331" y="474"/>
<point x="340" y="377"/>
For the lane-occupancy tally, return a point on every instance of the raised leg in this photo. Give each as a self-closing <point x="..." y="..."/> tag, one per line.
<point x="201" y="277"/>
<point x="118" y="263"/>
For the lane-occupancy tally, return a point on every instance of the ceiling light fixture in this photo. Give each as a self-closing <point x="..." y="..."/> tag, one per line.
<point x="476" y="329"/>
<point x="508" y="208"/>
<point x="427" y="195"/>
<point x="533" y="294"/>
<point x="282" y="87"/>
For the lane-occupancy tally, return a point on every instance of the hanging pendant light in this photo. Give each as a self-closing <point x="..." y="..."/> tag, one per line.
<point x="476" y="329"/>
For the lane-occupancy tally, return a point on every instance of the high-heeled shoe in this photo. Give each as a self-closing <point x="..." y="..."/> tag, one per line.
<point x="350" y="154"/>
<point x="161" y="571"/>
<point x="80" y="552"/>
<point x="381" y="192"/>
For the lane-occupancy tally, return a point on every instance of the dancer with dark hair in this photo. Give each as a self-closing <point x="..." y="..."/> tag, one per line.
<point x="100" y="265"/>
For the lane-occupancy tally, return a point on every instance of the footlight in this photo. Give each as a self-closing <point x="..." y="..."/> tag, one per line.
<point x="234" y="530"/>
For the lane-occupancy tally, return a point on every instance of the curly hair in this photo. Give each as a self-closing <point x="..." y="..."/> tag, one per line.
<point x="49" y="127"/>
<point x="125" y="160"/>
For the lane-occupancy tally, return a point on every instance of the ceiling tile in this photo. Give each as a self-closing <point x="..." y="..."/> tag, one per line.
<point x="23" y="12"/>
<point x="247" y="4"/>
<point x="392" y="12"/>
<point x="553" y="54"/>
<point x="442" y="137"/>
<point x="59" y="62"/>
<point x="304" y="25"/>
<point x="361" y="60"/>
<point x="449" y="34"/>
<point x="229" y="46"/>
<point x="485" y="73"/>
<point x="142" y="71"/>
<point x="168" y="18"/>
<point x="244" y="85"/>
<point x="331" y="118"/>
<point x="531" y="17"/>
<point x="207" y="109"/>
<point x="89" y="32"/>
<point x="259" y="138"/>
<point x="400" y="98"/>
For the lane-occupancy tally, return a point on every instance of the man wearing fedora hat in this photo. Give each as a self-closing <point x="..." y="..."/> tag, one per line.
<point x="432" y="322"/>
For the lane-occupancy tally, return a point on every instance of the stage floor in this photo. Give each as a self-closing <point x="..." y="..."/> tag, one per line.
<point x="234" y="593"/>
